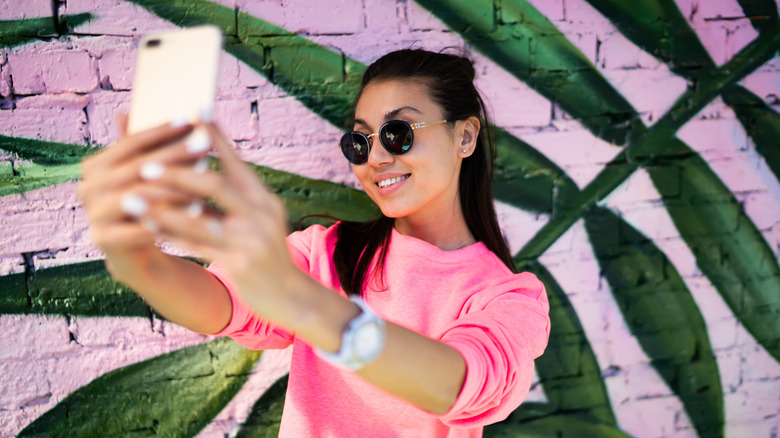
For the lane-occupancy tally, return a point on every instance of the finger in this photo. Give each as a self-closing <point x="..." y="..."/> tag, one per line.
<point x="121" y="124"/>
<point x="122" y="235"/>
<point x="208" y="185"/>
<point x="128" y="147"/>
<point x="135" y="202"/>
<point x="179" y="226"/>
<point x="236" y="170"/>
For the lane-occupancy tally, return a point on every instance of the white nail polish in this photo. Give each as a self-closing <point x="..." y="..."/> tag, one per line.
<point x="195" y="209"/>
<point x="133" y="205"/>
<point x="150" y="225"/>
<point x="202" y="165"/>
<point x="199" y="141"/>
<point x="179" y="121"/>
<point x="152" y="170"/>
<point x="206" y="115"/>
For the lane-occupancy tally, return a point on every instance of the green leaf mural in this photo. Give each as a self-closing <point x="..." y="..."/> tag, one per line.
<point x="653" y="300"/>
<point x="760" y="121"/>
<point x="661" y="313"/>
<point x="266" y="415"/>
<point x="568" y="370"/>
<point x="16" y="32"/>
<point x="175" y="394"/>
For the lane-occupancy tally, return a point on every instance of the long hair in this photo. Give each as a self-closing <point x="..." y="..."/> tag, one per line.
<point x="450" y="82"/>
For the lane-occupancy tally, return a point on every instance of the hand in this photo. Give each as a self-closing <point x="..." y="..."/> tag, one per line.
<point x="112" y="178"/>
<point x="247" y="236"/>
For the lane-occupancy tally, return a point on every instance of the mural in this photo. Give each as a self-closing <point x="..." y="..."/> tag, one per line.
<point x="637" y="176"/>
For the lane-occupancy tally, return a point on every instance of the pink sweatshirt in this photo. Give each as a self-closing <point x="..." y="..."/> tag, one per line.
<point x="467" y="299"/>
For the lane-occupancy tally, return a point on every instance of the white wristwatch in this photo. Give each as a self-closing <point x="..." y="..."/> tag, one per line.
<point x="361" y="342"/>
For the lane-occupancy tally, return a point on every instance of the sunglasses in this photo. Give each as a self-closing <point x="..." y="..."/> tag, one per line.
<point x="396" y="137"/>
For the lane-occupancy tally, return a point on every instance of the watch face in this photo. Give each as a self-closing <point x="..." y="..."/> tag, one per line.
<point x="368" y="340"/>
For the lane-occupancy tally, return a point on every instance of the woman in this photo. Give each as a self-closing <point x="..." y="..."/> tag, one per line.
<point x="439" y="334"/>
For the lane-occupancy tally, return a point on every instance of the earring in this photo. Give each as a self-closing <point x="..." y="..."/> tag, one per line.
<point x="463" y="150"/>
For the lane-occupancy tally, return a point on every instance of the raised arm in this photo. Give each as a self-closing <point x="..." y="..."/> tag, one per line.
<point x="115" y="194"/>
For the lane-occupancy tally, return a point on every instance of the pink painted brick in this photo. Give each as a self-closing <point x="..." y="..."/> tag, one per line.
<point x="61" y="125"/>
<point x="730" y="362"/>
<point x="510" y="101"/>
<point x="330" y="16"/>
<point x="739" y="37"/>
<point x="116" y="68"/>
<point x="228" y="78"/>
<point x="53" y="70"/>
<point x="715" y="40"/>
<point x="585" y="16"/>
<point x="722" y="331"/>
<point x="420" y="18"/>
<point x="5" y="75"/>
<point x="27" y="337"/>
<point x="768" y="427"/>
<point x="11" y="263"/>
<point x="102" y="112"/>
<point x="382" y="16"/>
<point x="645" y="382"/>
<point x="753" y="401"/>
<point x="236" y="119"/>
<point x="115" y="17"/>
<point x="650" y="417"/>
<point x="24" y="9"/>
<point x="759" y="365"/>
<point x="31" y="231"/>
<point x="24" y="383"/>
<point x="272" y="11"/>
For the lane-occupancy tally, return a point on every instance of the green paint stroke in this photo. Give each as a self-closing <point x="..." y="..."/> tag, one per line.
<point x="762" y="13"/>
<point x="568" y="370"/>
<point x="83" y="289"/>
<point x="16" y="32"/>
<point x="304" y="196"/>
<point x="553" y="426"/>
<point x="658" y="27"/>
<point x="266" y="415"/>
<point x="51" y="163"/>
<point x="728" y="247"/>
<point x="175" y="394"/>
<point x="525" y="43"/>
<point x="661" y="313"/>
<point x="760" y="121"/>
<point x="323" y="80"/>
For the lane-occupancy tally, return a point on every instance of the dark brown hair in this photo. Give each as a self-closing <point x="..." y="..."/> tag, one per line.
<point x="450" y="82"/>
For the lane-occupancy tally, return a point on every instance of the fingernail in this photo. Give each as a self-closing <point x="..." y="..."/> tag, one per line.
<point x="202" y="165"/>
<point x="133" y="205"/>
<point x="152" y="170"/>
<point x="195" y="209"/>
<point x="199" y="141"/>
<point x="179" y="121"/>
<point x="215" y="227"/>
<point x="150" y="225"/>
<point x="206" y="115"/>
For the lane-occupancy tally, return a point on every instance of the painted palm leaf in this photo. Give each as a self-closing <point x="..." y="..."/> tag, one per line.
<point x="266" y="415"/>
<point x="525" y="43"/>
<point x="16" y="32"/>
<point x="760" y="121"/>
<point x="728" y="247"/>
<point x="661" y="313"/>
<point x="568" y="370"/>
<point x="762" y="13"/>
<point x="553" y="426"/>
<point x="175" y="394"/>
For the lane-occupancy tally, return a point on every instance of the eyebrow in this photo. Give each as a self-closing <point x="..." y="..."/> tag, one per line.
<point x="391" y="114"/>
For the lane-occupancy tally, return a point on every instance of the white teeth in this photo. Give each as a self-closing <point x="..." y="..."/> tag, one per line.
<point x="390" y="181"/>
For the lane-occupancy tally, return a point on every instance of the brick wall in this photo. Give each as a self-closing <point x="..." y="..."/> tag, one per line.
<point x="66" y="85"/>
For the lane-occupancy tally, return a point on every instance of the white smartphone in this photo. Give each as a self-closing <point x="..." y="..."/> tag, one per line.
<point x="175" y="77"/>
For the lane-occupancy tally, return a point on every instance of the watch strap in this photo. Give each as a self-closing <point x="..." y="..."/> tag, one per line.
<point x="349" y="355"/>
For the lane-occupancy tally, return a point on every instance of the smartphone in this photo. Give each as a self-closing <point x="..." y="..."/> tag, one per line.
<point x="175" y="77"/>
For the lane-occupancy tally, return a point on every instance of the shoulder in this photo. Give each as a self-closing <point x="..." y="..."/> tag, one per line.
<point x="314" y="237"/>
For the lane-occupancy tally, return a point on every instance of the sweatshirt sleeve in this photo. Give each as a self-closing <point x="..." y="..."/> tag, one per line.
<point x="245" y="326"/>
<point x="500" y="332"/>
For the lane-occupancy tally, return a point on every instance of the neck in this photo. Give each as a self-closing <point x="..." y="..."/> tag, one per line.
<point x="447" y="233"/>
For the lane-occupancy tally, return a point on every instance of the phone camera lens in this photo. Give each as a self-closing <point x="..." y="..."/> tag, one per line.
<point x="153" y="43"/>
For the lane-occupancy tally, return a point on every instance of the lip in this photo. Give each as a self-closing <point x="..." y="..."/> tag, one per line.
<point x="393" y="188"/>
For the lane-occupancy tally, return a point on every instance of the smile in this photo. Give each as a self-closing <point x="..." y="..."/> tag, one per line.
<point x="390" y="181"/>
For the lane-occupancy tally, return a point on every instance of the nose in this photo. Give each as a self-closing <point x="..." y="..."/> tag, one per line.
<point x="377" y="154"/>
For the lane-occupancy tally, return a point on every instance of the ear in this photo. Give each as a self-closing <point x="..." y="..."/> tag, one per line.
<point x="469" y="131"/>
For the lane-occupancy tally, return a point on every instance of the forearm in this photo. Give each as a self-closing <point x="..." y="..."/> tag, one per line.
<point x="426" y="373"/>
<point x="180" y="290"/>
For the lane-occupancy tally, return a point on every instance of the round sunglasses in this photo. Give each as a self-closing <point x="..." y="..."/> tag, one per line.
<point x="396" y="137"/>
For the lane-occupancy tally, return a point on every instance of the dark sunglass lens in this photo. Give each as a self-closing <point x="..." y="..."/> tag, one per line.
<point x="354" y="146"/>
<point x="396" y="137"/>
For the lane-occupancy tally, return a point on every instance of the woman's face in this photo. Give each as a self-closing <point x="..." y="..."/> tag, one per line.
<point x="424" y="181"/>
